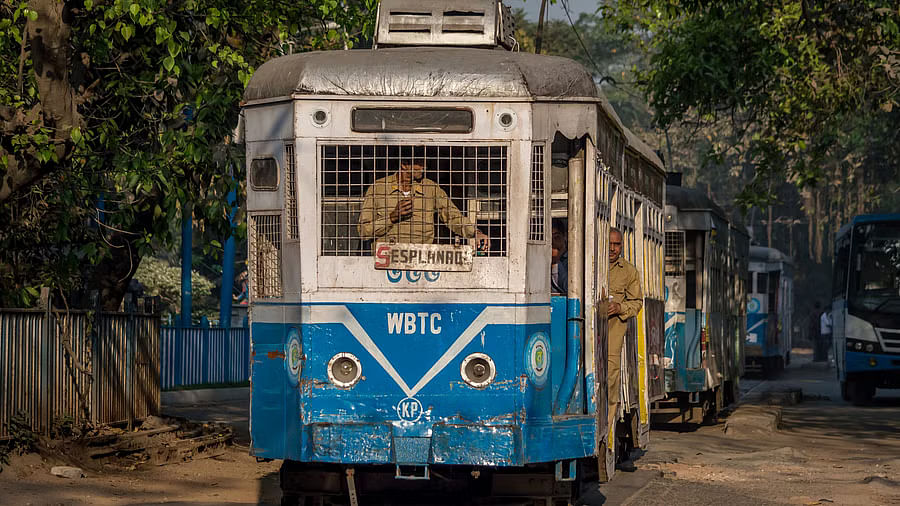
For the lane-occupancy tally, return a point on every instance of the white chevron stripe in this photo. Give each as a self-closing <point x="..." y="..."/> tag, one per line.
<point x="495" y="315"/>
<point x="757" y="324"/>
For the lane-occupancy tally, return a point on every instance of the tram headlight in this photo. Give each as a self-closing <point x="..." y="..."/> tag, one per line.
<point x="478" y="370"/>
<point x="506" y="119"/>
<point x="344" y="370"/>
<point x="319" y="117"/>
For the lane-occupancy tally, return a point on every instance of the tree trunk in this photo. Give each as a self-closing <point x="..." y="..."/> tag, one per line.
<point x="114" y="273"/>
<point x="48" y="36"/>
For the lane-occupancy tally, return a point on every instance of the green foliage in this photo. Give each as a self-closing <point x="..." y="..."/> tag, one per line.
<point x="22" y="438"/>
<point x="782" y="84"/>
<point x="164" y="280"/>
<point x="158" y="86"/>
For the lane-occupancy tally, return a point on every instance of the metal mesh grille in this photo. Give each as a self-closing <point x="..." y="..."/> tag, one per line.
<point x="674" y="253"/>
<point x="537" y="193"/>
<point x="460" y="185"/>
<point x="290" y="192"/>
<point x="265" y="255"/>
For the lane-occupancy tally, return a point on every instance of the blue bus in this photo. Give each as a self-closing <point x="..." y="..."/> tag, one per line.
<point x="866" y="306"/>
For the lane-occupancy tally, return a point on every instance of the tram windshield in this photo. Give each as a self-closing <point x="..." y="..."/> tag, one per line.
<point x="875" y="277"/>
<point x="402" y="194"/>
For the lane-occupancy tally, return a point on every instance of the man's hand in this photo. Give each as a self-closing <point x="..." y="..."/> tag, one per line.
<point x="482" y="241"/>
<point x="402" y="211"/>
<point x="614" y="309"/>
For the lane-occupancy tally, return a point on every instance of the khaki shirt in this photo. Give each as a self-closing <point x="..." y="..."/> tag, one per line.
<point x="428" y="198"/>
<point x="625" y="288"/>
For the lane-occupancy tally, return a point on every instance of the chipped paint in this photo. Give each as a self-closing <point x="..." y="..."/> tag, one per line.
<point x="273" y="355"/>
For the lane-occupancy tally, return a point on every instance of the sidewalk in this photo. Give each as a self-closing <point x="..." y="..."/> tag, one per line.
<point x="224" y="405"/>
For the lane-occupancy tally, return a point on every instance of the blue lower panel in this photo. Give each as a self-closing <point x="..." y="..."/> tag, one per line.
<point x="477" y="445"/>
<point x="361" y="443"/>
<point x="573" y="438"/>
<point x="862" y="362"/>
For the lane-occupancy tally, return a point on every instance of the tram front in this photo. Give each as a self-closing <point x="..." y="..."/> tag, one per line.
<point x="399" y="253"/>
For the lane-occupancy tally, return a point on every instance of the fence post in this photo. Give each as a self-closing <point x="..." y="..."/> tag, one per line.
<point x="204" y="350"/>
<point x="129" y="365"/>
<point x="227" y="359"/>
<point x="96" y="373"/>
<point x="178" y="345"/>
<point x="46" y="369"/>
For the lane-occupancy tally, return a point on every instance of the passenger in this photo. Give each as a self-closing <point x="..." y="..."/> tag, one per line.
<point x="625" y="302"/>
<point x="401" y="207"/>
<point x="559" y="260"/>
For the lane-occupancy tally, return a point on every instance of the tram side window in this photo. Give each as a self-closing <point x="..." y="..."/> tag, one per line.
<point x="762" y="285"/>
<point x="773" y="290"/>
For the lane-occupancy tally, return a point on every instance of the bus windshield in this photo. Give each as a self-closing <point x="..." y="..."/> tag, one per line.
<point x="875" y="276"/>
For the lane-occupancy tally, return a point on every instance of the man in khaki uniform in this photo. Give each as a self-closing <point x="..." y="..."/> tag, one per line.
<point x="401" y="208"/>
<point x="626" y="301"/>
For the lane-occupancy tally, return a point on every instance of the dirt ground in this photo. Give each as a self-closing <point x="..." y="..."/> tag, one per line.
<point x="825" y="452"/>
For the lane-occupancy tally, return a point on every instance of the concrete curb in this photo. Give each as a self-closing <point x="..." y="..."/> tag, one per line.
<point x="204" y="396"/>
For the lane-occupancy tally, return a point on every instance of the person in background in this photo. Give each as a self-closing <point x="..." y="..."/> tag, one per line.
<point x="815" y="335"/>
<point x="825" y="332"/>
<point x="244" y="284"/>
<point x="626" y="299"/>
<point x="559" y="259"/>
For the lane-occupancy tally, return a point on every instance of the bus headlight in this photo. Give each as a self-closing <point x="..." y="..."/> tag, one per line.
<point x="870" y="347"/>
<point x="858" y="346"/>
<point x="344" y="370"/>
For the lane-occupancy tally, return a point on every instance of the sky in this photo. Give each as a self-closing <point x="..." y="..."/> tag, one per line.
<point x="555" y="11"/>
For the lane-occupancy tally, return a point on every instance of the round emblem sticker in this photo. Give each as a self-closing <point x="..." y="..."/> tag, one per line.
<point x="753" y="306"/>
<point x="537" y="359"/>
<point x="293" y="355"/>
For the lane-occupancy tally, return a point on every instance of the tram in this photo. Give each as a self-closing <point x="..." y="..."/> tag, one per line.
<point x="769" y="309"/>
<point x="405" y="336"/>
<point x="706" y="261"/>
<point x="866" y="306"/>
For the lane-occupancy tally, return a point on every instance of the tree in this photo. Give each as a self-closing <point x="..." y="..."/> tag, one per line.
<point x="116" y="116"/>
<point x="780" y="82"/>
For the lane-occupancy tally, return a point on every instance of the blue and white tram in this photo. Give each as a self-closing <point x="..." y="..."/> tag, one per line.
<point x="706" y="264"/>
<point x="770" y="307"/>
<point x="866" y="305"/>
<point x="399" y="219"/>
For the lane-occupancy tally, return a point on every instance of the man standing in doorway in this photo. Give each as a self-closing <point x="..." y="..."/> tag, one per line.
<point x="626" y="299"/>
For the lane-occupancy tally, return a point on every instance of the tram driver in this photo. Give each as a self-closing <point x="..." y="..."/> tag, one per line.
<point x="400" y="208"/>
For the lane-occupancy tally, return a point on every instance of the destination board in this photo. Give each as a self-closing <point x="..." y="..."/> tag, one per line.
<point x="424" y="257"/>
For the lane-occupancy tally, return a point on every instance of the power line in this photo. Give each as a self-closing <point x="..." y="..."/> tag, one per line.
<point x="565" y="6"/>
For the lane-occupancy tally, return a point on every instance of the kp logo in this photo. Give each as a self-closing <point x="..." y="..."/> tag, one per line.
<point x="409" y="409"/>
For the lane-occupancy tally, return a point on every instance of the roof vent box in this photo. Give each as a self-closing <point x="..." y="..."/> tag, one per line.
<point x="473" y="23"/>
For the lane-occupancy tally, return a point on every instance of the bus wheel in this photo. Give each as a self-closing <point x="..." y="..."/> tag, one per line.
<point x="860" y="391"/>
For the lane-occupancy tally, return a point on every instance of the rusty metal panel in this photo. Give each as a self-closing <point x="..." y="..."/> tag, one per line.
<point x="72" y="365"/>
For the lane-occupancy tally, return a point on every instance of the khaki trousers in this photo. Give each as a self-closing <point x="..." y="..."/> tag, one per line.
<point x="617" y="329"/>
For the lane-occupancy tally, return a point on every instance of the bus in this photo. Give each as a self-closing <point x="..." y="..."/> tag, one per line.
<point x="405" y="335"/>
<point x="865" y="307"/>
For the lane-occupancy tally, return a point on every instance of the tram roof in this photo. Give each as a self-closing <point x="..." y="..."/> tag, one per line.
<point x="637" y="144"/>
<point x="764" y="254"/>
<point x="691" y="199"/>
<point x="423" y="72"/>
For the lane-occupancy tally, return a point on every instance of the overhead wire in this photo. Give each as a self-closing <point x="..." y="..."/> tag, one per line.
<point x="565" y="6"/>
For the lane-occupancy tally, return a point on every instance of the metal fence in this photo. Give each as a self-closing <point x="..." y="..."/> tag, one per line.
<point x="101" y="367"/>
<point x="204" y="356"/>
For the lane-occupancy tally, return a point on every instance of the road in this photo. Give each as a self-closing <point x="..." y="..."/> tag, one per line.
<point x="825" y="452"/>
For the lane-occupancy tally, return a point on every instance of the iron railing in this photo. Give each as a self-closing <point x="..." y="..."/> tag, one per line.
<point x="193" y="356"/>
